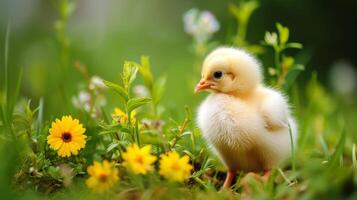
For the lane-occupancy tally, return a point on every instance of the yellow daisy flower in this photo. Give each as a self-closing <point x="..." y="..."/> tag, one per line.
<point x="139" y="161"/>
<point x="175" y="168"/>
<point x="102" y="176"/>
<point x="122" y="117"/>
<point x="66" y="136"/>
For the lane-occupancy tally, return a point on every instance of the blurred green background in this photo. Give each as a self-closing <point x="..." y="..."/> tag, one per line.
<point x="102" y="34"/>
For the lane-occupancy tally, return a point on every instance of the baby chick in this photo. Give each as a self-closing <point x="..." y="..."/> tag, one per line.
<point x="245" y="122"/>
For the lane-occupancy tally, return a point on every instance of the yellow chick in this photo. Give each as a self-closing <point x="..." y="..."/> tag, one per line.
<point x="245" y="122"/>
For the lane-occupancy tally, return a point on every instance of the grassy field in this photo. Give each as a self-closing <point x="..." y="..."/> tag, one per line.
<point x="132" y="104"/>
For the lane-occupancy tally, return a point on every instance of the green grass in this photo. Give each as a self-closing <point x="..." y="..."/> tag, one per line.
<point x="323" y="164"/>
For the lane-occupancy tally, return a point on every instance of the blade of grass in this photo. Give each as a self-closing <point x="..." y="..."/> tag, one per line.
<point x="13" y="101"/>
<point x="201" y="182"/>
<point x="6" y="56"/>
<point x="292" y="148"/>
<point x="137" y="133"/>
<point x="354" y="156"/>
<point x="284" y="176"/>
<point x="40" y="116"/>
<point x="6" y="111"/>
<point x="324" y="145"/>
<point x="336" y="156"/>
<point x="105" y="116"/>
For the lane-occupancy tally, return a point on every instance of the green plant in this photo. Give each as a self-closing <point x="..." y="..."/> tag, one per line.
<point x="242" y="13"/>
<point x="285" y="69"/>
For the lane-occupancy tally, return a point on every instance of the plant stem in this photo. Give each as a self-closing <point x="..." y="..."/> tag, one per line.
<point x="242" y="31"/>
<point x="6" y="55"/>
<point x="181" y="130"/>
<point x="277" y="60"/>
<point x="137" y="133"/>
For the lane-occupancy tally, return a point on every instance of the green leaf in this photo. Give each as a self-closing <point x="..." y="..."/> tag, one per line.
<point x="234" y="10"/>
<point x="354" y="156"/>
<point x="54" y="172"/>
<point x="112" y="128"/>
<point x="244" y="11"/>
<point x="112" y="146"/>
<point x="283" y="33"/>
<point x="186" y="133"/>
<point x="124" y="143"/>
<point x="335" y="158"/>
<point x="118" y="89"/>
<point x="107" y="132"/>
<point x="40" y="116"/>
<point x="292" y="75"/>
<point x="130" y="70"/>
<point x="159" y="89"/>
<point x="137" y="102"/>
<point x="271" y="38"/>
<point x="152" y="138"/>
<point x="255" y="49"/>
<point x="207" y="164"/>
<point x="191" y="155"/>
<point x="17" y="91"/>
<point x="145" y="72"/>
<point x="6" y="57"/>
<point x="293" y="45"/>
<point x="188" y="113"/>
<point x="287" y="62"/>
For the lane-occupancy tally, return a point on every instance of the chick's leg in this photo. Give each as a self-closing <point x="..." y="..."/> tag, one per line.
<point x="262" y="179"/>
<point x="229" y="178"/>
<point x="247" y="187"/>
<point x="266" y="176"/>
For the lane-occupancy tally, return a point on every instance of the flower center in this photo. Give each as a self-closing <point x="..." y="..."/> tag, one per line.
<point x="139" y="159"/>
<point x="103" y="177"/>
<point x="175" y="166"/>
<point x="66" y="137"/>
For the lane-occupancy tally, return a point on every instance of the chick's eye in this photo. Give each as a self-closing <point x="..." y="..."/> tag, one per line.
<point x="218" y="74"/>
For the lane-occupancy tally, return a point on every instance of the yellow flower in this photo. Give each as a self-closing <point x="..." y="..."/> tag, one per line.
<point x="122" y="117"/>
<point x="66" y="136"/>
<point x="102" y="176"/>
<point x="139" y="161"/>
<point x="175" y="168"/>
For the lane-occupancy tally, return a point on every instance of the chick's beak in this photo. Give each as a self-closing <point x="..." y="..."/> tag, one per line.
<point x="202" y="85"/>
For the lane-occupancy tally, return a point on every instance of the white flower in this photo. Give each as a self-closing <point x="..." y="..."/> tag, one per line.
<point x="96" y="83"/>
<point x="140" y="91"/>
<point x="209" y="22"/>
<point x="343" y="78"/>
<point x="271" y="38"/>
<point x="82" y="101"/>
<point x="201" y="25"/>
<point x="89" y="103"/>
